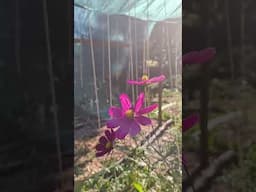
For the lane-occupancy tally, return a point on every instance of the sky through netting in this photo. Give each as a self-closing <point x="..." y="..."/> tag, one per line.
<point x="94" y="13"/>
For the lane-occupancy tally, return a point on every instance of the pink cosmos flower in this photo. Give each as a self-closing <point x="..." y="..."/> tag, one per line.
<point x="128" y="118"/>
<point x="199" y="57"/>
<point x="105" y="144"/>
<point x="189" y="122"/>
<point x="145" y="80"/>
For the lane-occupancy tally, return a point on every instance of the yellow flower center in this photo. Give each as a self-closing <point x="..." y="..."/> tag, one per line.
<point x="129" y="114"/>
<point x="108" y="145"/>
<point x="144" y="78"/>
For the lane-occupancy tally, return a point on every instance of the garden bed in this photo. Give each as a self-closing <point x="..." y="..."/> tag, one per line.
<point x="165" y="147"/>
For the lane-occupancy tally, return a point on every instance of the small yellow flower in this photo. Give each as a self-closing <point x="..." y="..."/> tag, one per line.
<point x="144" y="78"/>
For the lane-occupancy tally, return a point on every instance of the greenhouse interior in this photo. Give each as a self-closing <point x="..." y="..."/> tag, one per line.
<point x="114" y="43"/>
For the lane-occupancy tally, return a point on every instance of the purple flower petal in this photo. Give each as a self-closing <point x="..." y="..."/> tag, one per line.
<point x="189" y="122"/>
<point x="115" y="112"/>
<point x="143" y="120"/>
<point x="100" y="153"/>
<point x="156" y="79"/>
<point x="123" y="129"/>
<point x="134" y="129"/>
<point x="113" y="123"/>
<point x="100" y="147"/>
<point x="190" y="58"/>
<point x="139" y="102"/>
<point x="121" y="132"/>
<point x="103" y="140"/>
<point x="200" y="57"/>
<point x="206" y="55"/>
<point x="136" y="82"/>
<point x="125" y="102"/>
<point x="110" y="135"/>
<point x="148" y="109"/>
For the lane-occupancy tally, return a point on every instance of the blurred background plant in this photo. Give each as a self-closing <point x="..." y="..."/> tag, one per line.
<point x="227" y="26"/>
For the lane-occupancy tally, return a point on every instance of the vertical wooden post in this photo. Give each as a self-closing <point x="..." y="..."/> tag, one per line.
<point x="70" y="9"/>
<point x="204" y="97"/>
<point x="53" y="91"/>
<point x="229" y="39"/>
<point x="17" y="36"/>
<point x="109" y="62"/>
<point x="81" y="69"/>
<point x="160" y="84"/>
<point x="243" y="6"/>
<point x="204" y="92"/>
<point x="160" y="104"/>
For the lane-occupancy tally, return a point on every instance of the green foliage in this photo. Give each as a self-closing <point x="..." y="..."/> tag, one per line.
<point x="167" y="93"/>
<point x="217" y="142"/>
<point x="153" y="115"/>
<point x="138" y="186"/>
<point x="250" y="161"/>
<point x="137" y="173"/>
<point x="242" y="177"/>
<point x="129" y="177"/>
<point x="165" y="115"/>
